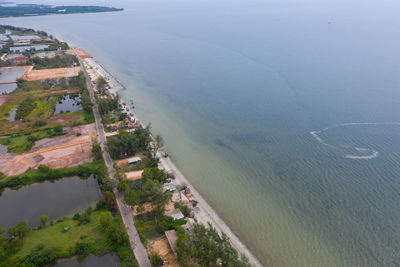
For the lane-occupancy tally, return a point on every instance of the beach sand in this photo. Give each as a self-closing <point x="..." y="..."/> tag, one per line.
<point x="204" y="213"/>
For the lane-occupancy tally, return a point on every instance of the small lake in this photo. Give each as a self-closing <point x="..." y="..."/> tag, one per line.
<point x="27" y="47"/>
<point x="14" y="55"/>
<point x="57" y="199"/>
<point x="24" y="37"/>
<point x="7" y="88"/>
<point x="12" y="112"/>
<point x="68" y="103"/>
<point x="11" y="75"/>
<point x="108" y="260"/>
<point x="3" y="149"/>
<point x="45" y="53"/>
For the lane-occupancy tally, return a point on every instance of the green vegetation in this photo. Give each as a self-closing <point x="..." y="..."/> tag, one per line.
<point x="29" y="10"/>
<point x="80" y="81"/>
<point x="64" y="238"/>
<point x="205" y="247"/>
<point x="34" y="100"/>
<point x="110" y="110"/>
<point x="64" y="61"/>
<point x="44" y="173"/>
<point x="25" y="108"/>
<point x="157" y="145"/>
<point x="57" y="46"/>
<point x="126" y="144"/>
<point x="24" y="142"/>
<point x="101" y="85"/>
<point x="183" y="208"/>
<point x="43" y="221"/>
<point x="155" y="260"/>
<point x="150" y="228"/>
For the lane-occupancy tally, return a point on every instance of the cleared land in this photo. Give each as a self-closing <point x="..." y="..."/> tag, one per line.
<point x="162" y="248"/>
<point x="80" y="53"/>
<point x="35" y="75"/>
<point x="135" y="175"/>
<point x="58" y="152"/>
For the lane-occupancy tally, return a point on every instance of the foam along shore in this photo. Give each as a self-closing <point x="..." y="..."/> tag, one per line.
<point x="204" y="213"/>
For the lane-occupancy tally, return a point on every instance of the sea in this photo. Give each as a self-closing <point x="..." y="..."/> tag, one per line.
<point x="284" y="114"/>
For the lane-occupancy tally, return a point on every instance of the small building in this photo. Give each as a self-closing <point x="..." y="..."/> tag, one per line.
<point x="172" y="237"/>
<point x="20" y="59"/>
<point x="134" y="160"/>
<point x="177" y="215"/>
<point x="169" y="187"/>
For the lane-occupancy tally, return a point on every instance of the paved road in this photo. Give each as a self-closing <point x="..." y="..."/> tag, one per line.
<point x="137" y="246"/>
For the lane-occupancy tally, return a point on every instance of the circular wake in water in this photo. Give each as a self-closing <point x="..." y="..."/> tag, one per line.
<point x="364" y="153"/>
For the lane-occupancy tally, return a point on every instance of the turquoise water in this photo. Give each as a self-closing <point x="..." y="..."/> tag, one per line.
<point x="243" y="92"/>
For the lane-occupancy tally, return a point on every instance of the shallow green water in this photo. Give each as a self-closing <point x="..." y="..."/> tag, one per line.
<point x="238" y="89"/>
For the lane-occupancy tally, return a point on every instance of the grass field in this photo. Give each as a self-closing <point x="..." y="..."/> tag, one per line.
<point x="64" y="119"/>
<point x="45" y="99"/>
<point x="54" y="237"/>
<point x="23" y="143"/>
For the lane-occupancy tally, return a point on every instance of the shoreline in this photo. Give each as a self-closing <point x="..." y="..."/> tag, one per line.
<point x="205" y="213"/>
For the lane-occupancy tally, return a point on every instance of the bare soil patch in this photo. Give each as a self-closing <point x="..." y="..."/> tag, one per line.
<point x="58" y="152"/>
<point x="135" y="175"/>
<point x="35" y="75"/>
<point x="81" y="53"/>
<point x="162" y="248"/>
<point x="3" y="99"/>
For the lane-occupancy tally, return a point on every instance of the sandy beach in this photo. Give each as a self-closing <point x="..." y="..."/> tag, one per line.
<point x="204" y="213"/>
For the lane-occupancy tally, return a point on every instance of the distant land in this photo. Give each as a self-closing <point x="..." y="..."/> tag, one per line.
<point x="9" y="9"/>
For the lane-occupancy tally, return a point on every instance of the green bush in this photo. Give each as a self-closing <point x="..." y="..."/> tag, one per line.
<point x="39" y="123"/>
<point x="82" y="248"/>
<point x="25" y="108"/>
<point x="156" y="260"/>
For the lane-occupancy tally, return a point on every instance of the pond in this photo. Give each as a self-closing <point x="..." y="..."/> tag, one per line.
<point x="3" y="149"/>
<point x="14" y="55"/>
<point x="108" y="260"/>
<point x="11" y="74"/>
<point x="27" y="47"/>
<point x="24" y="37"/>
<point x="68" y="103"/>
<point x="45" y="53"/>
<point x="7" y="88"/>
<point x="58" y="199"/>
<point x="12" y="113"/>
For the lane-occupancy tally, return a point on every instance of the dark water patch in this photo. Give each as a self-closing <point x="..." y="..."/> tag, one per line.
<point x="23" y="37"/>
<point x="220" y="143"/>
<point x="68" y="103"/>
<point x="27" y="47"/>
<point x="45" y="53"/>
<point x="13" y="112"/>
<point x="7" y="88"/>
<point x="11" y="75"/>
<point x="14" y="55"/>
<point x="250" y="138"/>
<point x="108" y="260"/>
<point x="3" y="149"/>
<point x="55" y="199"/>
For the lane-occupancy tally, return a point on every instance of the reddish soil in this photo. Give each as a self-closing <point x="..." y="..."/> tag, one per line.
<point x="58" y="152"/>
<point x="3" y="99"/>
<point x="35" y="75"/>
